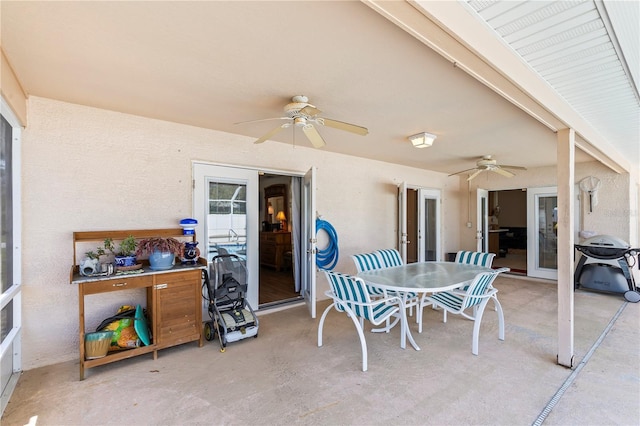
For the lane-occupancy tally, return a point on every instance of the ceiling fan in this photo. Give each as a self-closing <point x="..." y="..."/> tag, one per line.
<point x="301" y="113"/>
<point x="487" y="163"/>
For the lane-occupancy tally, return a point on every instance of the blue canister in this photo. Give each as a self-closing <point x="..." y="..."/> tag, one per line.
<point x="188" y="226"/>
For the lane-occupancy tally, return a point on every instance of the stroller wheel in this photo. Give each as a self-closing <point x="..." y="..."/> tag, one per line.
<point x="222" y="350"/>
<point x="209" y="332"/>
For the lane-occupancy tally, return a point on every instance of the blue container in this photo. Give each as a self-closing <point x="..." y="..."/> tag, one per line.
<point x="161" y="260"/>
<point x="188" y="226"/>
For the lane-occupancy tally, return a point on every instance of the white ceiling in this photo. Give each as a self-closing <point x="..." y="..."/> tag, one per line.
<point x="588" y="51"/>
<point x="212" y="64"/>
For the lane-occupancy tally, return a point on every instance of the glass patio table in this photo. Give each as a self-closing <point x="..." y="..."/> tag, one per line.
<point x="421" y="278"/>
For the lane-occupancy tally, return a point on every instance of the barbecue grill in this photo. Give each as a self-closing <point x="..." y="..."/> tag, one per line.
<point x="605" y="265"/>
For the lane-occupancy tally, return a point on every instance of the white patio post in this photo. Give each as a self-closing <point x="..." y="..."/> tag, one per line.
<point x="565" y="172"/>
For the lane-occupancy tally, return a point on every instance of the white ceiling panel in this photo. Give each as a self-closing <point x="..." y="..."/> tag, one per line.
<point x="589" y="55"/>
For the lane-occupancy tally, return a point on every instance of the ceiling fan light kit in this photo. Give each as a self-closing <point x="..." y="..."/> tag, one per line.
<point x="300" y="113"/>
<point x="422" y="140"/>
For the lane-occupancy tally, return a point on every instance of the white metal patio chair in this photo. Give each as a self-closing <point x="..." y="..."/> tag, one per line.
<point x="368" y="262"/>
<point x="477" y="294"/>
<point x="390" y="258"/>
<point x="350" y="295"/>
<point x="475" y="258"/>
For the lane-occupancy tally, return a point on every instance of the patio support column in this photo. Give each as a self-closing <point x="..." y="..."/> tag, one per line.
<point x="566" y="178"/>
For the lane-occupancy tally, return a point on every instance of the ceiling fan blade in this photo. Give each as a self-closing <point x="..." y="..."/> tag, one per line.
<point x="310" y="110"/>
<point x="513" y="167"/>
<point x="461" y="171"/>
<point x="474" y="174"/>
<point x="359" y="130"/>
<point x="263" y="119"/>
<point x="313" y="135"/>
<point x="273" y="132"/>
<point x="503" y="172"/>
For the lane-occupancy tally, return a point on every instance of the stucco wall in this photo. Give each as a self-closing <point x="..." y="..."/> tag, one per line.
<point x="90" y="169"/>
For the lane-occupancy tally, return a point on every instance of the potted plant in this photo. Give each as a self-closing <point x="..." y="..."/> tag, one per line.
<point x="162" y="251"/>
<point x="93" y="259"/>
<point x="124" y="255"/>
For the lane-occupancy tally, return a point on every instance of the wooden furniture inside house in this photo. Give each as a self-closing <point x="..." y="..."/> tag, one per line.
<point x="173" y="296"/>
<point x="275" y="201"/>
<point x="273" y="249"/>
<point x="494" y="242"/>
<point x="275" y="245"/>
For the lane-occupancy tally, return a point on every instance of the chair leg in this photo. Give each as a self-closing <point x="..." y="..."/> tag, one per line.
<point x="321" y="324"/>
<point x="363" y="343"/>
<point x="498" y="308"/>
<point x="476" y="326"/>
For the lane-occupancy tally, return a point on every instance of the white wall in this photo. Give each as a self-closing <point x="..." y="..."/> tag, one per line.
<point x="90" y="169"/>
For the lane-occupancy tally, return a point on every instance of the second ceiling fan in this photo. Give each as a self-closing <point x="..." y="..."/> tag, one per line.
<point x="301" y="113"/>
<point x="487" y="163"/>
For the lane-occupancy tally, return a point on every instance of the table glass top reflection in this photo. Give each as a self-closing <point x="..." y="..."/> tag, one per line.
<point x="423" y="276"/>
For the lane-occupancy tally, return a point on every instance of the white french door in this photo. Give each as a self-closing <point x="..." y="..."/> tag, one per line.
<point x="482" y="220"/>
<point x="427" y="232"/>
<point x="542" y="249"/>
<point x="226" y="206"/>
<point x="309" y="241"/>
<point x="402" y="221"/>
<point x="429" y="247"/>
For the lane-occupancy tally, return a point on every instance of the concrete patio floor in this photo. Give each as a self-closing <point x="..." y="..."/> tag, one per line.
<point x="282" y="377"/>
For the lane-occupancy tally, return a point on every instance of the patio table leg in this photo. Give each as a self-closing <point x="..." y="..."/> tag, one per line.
<point x="404" y="328"/>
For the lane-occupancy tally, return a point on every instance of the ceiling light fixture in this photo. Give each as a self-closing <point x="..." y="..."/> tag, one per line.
<point x="422" y="140"/>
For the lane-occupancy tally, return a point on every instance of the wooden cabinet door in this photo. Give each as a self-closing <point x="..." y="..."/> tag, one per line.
<point x="178" y="313"/>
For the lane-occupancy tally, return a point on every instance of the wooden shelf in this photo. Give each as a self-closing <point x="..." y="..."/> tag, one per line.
<point x="173" y="298"/>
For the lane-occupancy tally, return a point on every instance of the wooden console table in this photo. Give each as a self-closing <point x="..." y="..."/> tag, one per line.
<point x="173" y="297"/>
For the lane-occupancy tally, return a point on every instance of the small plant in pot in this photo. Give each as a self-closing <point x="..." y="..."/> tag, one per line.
<point x="125" y="256"/>
<point x="162" y="251"/>
<point x="103" y="258"/>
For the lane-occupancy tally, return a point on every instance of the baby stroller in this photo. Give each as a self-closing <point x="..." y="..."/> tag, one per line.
<point x="232" y="318"/>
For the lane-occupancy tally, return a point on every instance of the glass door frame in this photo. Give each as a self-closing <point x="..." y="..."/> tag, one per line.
<point x="534" y="269"/>
<point x="425" y="195"/>
<point x="203" y="174"/>
<point x="11" y="345"/>
<point x="403" y="237"/>
<point x="482" y="220"/>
